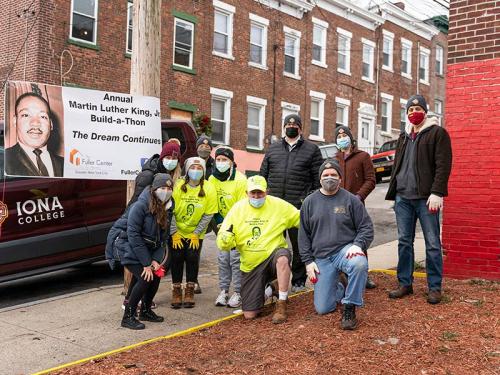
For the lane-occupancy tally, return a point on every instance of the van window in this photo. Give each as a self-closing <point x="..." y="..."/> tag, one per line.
<point x="174" y="132"/>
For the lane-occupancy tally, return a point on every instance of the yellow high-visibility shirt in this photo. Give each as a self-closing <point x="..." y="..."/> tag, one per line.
<point x="229" y="192"/>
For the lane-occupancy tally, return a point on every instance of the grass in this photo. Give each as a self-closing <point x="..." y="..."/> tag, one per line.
<point x="449" y="336"/>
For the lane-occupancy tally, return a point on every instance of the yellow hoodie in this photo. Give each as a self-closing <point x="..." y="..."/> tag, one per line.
<point x="229" y="192"/>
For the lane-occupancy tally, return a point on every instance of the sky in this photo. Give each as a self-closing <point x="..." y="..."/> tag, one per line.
<point x="420" y="9"/>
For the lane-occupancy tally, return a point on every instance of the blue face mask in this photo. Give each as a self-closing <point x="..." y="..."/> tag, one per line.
<point x="257" y="202"/>
<point x="222" y="166"/>
<point x="170" y="164"/>
<point x="344" y="142"/>
<point x="195" y="174"/>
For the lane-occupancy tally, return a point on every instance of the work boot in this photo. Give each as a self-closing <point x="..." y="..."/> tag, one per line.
<point x="401" y="291"/>
<point x="176" y="296"/>
<point x="275" y="288"/>
<point x="349" y="321"/>
<point x="129" y="320"/>
<point x="149" y="315"/>
<point x="370" y="284"/>
<point x="343" y="279"/>
<point x="434" y="296"/>
<point x="280" y="314"/>
<point x="197" y="289"/>
<point x="188" y="296"/>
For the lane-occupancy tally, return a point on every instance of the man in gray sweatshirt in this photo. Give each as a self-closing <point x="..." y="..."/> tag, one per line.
<point x="335" y="231"/>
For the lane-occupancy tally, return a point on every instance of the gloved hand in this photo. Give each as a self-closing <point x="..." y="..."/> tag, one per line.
<point x="353" y="251"/>
<point x="176" y="241"/>
<point x="194" y="241"/>
<point x="228" y="239"/>
<point x="312" y="269"/>
<point x="434" y="203"/>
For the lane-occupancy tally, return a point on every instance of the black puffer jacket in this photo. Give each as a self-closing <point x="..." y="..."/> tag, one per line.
<point x="292" y="175"/>
<point x="145" y="178"/>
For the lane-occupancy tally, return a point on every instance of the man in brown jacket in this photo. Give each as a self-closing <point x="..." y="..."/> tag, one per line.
<point x="357" y="168"/>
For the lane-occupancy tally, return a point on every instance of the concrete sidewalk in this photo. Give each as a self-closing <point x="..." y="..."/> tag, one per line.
<point x="52" y="332"/>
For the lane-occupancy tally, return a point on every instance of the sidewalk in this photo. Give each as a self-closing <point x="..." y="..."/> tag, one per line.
<point x="67" y="328"/>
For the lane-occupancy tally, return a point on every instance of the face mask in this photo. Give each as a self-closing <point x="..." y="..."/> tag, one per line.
<point x="344" y="142"/>
<point x="416" y="118"/>
<point x="257" y="202"/>
<point x="170" y="164"/>
<point x="195" y="174"/>
<point x="222" y="166"/>
<point x="204" y="154"/>
<point x="330" y="183"/>
<point x="292" y="132"/>
<point x="163" y="195"/>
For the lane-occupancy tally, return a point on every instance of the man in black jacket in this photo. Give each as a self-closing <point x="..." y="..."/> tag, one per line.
<point x="418" y="184"/>
<point x="291" y="167"/>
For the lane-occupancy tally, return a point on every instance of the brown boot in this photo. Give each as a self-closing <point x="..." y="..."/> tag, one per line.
<point x="434" y="296"/>
<point x="189" y="295"/>
<point x="401" y="291"/>
<point x="176" y="296"/>
<point x="275" y="288"/>
<point x="280" y="314"/>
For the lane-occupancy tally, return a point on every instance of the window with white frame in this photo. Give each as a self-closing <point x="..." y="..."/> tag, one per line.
<point x="423" y="67"/>
<point x="221" y="115"/>
<point x="438" y="110"/>
<point x="387" y="50"/>
<point x="292" y="52"/>
<point x="368" y="54"/>
<point x="84" y="20"/>
<point x="130" y="16"/>
<point x="223" y="29"/>
<point x="406" y="47"/>
<point x="256" y="122"/>
<point x="183" y="43"/>
<point x="317" y="114"/>
<point x="344" y="51"/>
<point x="342" y="113"/>
<point x="402" y="114"/>
<point x="258" y="41"/>
<point x="439" y="60"/>
<point x="319" y="42"/>
<point x="386" y="112"/>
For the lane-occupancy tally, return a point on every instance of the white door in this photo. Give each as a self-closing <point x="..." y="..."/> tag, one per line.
<point x="366" y="128"/>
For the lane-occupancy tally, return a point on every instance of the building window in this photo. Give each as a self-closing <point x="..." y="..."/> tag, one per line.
<point x="130" y="16"/>
<point x="438" y="110"/>
<point x="292" y="52"/>
<point x="342" y="115"/>
<point x="258" y="41"/>
<point x="406" y="46"/>
<point x="221" y="115"/>
<point x="319" y="42"/>
<point x="423" y="69"/>
<point x="439" y="60"/>
<point x="256" y="122"/>
<point x="344" y="51"/>
<point x="223" y="29"/>
<point x="386" y="112"/>
<point x="183" y="43"/>
<point x="84" y="20"/>
<point x="317" y="115"/>
<point x="368" y="53"/>
<point x="402" y="114"/>
<point x="387" y="50"/>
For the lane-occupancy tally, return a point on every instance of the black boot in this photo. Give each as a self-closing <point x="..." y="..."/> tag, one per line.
<point x="129" y="320"/>
<point x="149" y="315"/>
<point x="349" y="320"/>
<point x="370" y="284"/>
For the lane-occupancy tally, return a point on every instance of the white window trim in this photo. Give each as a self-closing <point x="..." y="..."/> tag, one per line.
<point x="387" y="98"/>
<point x="262" y="103"/>
<point x="343" y="103"/>
<point x="191" y="55"/>
<point x="96" y="8"/>
<point x="320" y="98"/>
<point x="324" y="32"/>
<point x="389" y="36"/>
<point x="347" y="35"/>
<point x="129" y="5"/>
<point x="402" y="104"/>
<point x="440" y="48"/>
<point x="227" y="97"/>
<point x="290" y="106"/>
<point x="264" y="23"/>
<point x="426" y="52"/>
<point x="229" y="11"/>
<point x="440" y="114"/>
<point x="297" y="35"/>
<point x="407" y="43"/>
<point x="372" y="55"/>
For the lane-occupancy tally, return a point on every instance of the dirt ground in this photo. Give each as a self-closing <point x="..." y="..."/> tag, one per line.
<point x="459" y="336"/>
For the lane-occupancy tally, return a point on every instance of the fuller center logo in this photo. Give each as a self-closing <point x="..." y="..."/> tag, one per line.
<point x="4" y="212"/>
<point x="75" y="157"/>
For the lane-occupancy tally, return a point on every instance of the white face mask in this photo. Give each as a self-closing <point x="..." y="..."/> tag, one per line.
<point x="222" y="166"/>
<point x="163" y="195"/>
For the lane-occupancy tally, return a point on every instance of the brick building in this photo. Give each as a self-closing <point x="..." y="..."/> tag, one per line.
<point x="246" y="63"/>
<point x="471" y="226"/>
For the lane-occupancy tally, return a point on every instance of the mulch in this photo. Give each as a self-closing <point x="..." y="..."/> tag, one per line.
<point x="409" y="336"/>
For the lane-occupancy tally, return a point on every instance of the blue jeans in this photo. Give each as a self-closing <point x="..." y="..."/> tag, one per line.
<point x="328" y="291"/>
<point x="407" y="213"/>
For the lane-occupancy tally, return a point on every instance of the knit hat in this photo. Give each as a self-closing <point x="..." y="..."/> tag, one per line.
<point x="171" y="148"/>
<point x="343" y="129"/>
<point x="328" y="164"/>
<point x="417" y="100"/>
<point x="162" y="180"/>
<point x="203" y="139"/>
<point x="195" y="160"/>
<point x="293" y="119"/>
<point x="225" y="151"/>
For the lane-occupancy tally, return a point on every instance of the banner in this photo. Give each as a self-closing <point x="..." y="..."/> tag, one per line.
<point x="54" y="131"/>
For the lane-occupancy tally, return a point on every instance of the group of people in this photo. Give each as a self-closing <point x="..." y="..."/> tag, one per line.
<point x="318" y="203"/>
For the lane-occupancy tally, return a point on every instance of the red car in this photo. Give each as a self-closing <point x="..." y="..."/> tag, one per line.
<point x="49" y="224"/>
<point x="384" y="160"/>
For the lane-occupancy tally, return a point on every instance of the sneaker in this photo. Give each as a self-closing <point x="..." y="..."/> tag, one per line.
<point x="349" y="321"/>
<point x="197" y="289"/>
<point x="235" y="300"/>
<point x="297" y="288"/>
<point x="221" y="299"/>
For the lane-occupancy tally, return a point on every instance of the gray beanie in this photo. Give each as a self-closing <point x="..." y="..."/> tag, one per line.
<point x="343" y="129"/>
<point x="330" y="163"/>
<point x="417" y="100"/>
<point x="294" y="119"/>
<point x="162" y="180"/>
<point x="204" y="139"/>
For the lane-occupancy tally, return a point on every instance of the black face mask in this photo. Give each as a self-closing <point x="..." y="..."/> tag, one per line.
<point x="292" y="132"/>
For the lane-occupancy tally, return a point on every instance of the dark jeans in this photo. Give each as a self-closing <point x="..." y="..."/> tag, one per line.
<point x="407" y="213"/>
<point x="141" y="289"/>
<point x="299" y="275"/>
<point x="188" y="256"/>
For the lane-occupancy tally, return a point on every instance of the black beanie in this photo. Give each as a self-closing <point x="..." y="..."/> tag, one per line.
<point x="294" y="119"/>
<point x="330" y="163"/>
<point x="417" y="100"/>
<point x="162" y="180"/>
<point x="204" y="139"/>
<point x="346" y="130"/>
<point x="225" y="151"/>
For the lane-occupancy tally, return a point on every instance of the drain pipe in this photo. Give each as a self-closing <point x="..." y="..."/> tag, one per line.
<point x="418" y="67"/>
<point x="275" y="50"/>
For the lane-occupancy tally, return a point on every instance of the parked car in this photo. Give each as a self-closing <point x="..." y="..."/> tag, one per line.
<point x="48" y="224"/>
<point x="383" y="160"/>
<point x="329" y="151"/>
